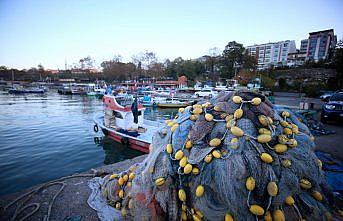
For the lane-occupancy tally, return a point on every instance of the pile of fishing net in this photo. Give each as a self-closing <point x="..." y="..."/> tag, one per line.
<point x="233" y="158"/>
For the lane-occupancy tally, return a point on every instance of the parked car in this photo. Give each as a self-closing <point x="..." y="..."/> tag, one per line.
<point x="326" y="96"/>
<point x="206" y="93"/>
<point x="266" y="91"/>
<point x="333" y="109"/>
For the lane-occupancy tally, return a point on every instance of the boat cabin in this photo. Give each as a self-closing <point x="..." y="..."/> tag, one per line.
<point x="119" y="115"/>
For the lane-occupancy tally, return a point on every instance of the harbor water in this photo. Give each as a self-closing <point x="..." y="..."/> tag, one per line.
<point x="47" y="136"/>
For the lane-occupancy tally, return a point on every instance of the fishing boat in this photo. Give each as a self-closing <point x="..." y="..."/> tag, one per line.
<point x="22" y="90"/>
<point x="71" y="89"/>
<point x="124" y="122"/>
<point x="95" y="90"/>
<point x="152" y="101"/>
<point x="147" y="101"/>
<point x="172" y="103"/>
<point x="226" y="85"/>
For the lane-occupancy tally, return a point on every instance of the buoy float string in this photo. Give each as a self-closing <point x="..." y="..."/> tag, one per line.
<point x="297" y="210"/>
<point x="271" y="129"/>
<point x="270" y="197"/>
<point x="248" y="198"/>
<point x="272" y="148"/>
<point x="254" y="145"/>
<point x="223" y="137"/>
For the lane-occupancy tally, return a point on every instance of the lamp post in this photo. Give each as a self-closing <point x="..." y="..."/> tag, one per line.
<point x="235" y="66"/>
<point x="260" y="79"/>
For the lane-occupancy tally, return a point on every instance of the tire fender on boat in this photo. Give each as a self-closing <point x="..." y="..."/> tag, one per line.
<point x="96" y="128"/>
<point x="124" y="141"/>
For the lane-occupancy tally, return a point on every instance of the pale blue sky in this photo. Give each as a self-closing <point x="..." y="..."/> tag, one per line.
<point x="48" y="31"/>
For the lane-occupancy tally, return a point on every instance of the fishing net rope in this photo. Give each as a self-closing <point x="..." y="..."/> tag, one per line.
<point x="233" y="158"/>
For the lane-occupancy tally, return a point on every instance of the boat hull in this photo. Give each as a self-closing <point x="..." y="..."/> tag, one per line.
<point x="99" y="96"/>
<point x="91" y="94"/>
<point x="26" y="91"/>
<point x="127" y="141"/>
<point x="149" y="105"/>
<point x="161" y="105"/>
<point x="140" y="143"/>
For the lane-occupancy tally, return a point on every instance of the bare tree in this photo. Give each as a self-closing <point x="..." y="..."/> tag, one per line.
<point x="86" y="63"/>
<point x="117" y="58"/>
<point x="145" y="59"/>
<point x="214" y="52"/>
<point x="212" y="60"/>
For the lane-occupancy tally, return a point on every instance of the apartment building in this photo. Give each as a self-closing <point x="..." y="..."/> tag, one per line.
<point x="303" y="46"/>
<point x="320" y="45"/>
<point x="296" y="59"/>
<point x="272" y="54"/>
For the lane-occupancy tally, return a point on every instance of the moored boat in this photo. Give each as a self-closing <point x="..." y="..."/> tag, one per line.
<point x="147" y="101"/>
<point x="95" y="90"/>
<point x="152" y="101"/>
<point x="172" y="104"/>
<point x="125" y="123"/>
<point x="21" y="90"/>
<point x="70" y="91"/>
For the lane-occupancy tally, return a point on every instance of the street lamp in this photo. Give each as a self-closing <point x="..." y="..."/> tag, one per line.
<point x="235" y="68"/>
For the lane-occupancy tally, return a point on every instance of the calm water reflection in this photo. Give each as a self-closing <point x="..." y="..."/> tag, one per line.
<point x="43" y="137"/>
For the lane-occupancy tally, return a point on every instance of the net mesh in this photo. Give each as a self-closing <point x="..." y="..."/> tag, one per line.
<point x="165" y="186"/>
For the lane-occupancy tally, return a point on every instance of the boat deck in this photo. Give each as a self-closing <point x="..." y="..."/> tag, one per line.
<point x="150" y="126"/>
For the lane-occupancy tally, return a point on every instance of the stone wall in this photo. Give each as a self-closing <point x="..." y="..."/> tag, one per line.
<point x="310" y="75"/>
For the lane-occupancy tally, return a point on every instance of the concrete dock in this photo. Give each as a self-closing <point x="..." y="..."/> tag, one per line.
<point x="71" y="203"/>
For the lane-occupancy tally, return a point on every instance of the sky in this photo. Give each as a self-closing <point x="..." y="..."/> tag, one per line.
<point x="50" y="32"/>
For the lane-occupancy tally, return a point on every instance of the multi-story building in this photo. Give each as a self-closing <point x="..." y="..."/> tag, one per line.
<point x="303" y="46"/>
<point x="296" y="59"/>
<point x="272" y="54"/>
<point x="320" y="45"/>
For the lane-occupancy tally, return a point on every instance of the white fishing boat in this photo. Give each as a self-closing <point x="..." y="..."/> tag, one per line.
<point x="124" y="122"/>
<point x="95" y="90"/>
<point x="227" y="85"/>
<point x="152" y="101"/>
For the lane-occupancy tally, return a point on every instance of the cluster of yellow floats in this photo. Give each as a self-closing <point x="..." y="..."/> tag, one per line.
<point x="286" y="140"/>
<point x="124" y="180"/>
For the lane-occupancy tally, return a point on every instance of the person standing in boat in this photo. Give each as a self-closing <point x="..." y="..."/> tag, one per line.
<point x="134" y="109"/>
